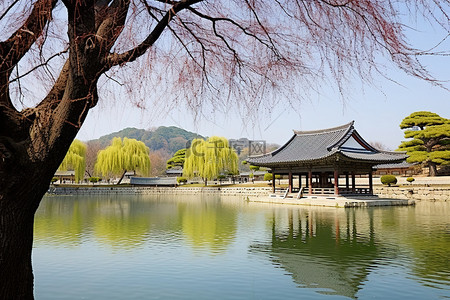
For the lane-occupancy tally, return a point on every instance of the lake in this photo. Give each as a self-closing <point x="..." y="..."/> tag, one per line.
<point x="212" y="247"/>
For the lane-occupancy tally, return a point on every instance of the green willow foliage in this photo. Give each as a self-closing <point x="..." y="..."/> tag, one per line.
<point x="75" y="159"/>
<point x="207" y="159"/>
<point x="129" y="154"/>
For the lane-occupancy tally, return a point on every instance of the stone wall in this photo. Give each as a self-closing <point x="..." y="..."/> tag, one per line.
<point x="229" y="191"/>
<point x="414" y="193"/>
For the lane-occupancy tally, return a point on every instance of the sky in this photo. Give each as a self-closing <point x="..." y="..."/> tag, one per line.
<point x="376" y="109"/>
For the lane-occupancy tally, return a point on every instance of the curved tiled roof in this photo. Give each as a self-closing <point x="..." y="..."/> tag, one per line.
<point x="309" y="146"/>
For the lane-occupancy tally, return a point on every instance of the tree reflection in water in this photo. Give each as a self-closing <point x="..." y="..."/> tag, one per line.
<point x="333" y="251"/>
<point x="126" y="222"/>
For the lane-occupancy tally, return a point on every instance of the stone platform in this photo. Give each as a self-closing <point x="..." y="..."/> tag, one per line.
<point x="332" y="201"/>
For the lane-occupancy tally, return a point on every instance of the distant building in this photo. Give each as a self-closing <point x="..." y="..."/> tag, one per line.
<point x="65" y="176"/>
<point x="402" y="169"/>
<point x="153" y="181"/>
<point x="245" y="176"/>
<point x="174" y="172"/>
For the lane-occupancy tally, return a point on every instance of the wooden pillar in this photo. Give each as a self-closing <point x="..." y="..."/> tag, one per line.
<point x="273" y="182"/>
<point x="347" y="182"/>
<point x="353" y="182"/>
<point x="310" y="181"/>
<point x="290" y="181"/>
<point x="336" y="182"/>
<point x="370" y="183"/>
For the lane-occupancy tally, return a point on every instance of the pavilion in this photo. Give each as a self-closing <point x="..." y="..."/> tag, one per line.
<point x="324" y="158"/>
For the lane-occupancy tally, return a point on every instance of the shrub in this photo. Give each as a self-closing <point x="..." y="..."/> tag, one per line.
<point x="388" y="179"/>
<point x="181" y="180"/>
<point x="94" y="179"/>
<point x="54" y="179"/>
<point x="268" y="176"/>
<point x="410" y="179"/>
<point x="254" y="168"/>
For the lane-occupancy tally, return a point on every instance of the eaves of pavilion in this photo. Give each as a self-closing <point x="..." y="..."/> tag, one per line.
<point x="324" y="156"/>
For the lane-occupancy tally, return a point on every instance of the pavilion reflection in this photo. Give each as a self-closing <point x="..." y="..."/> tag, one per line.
<point x="332" y="251"/>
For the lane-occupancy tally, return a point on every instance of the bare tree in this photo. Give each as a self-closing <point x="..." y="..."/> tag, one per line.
<point x="91" y="156"/>
<point x="189" y="52"/>
<point x="158" y="159"/>
<point x="379" y="145"/>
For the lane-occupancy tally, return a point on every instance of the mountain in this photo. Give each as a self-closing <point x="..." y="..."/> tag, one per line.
<point x="168" y="139"/>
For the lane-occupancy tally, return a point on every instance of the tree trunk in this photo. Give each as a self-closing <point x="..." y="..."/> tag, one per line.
<point x="16" y="242"/>
<point x="18" y="204"/>
<point x="432" y="169"/>
<point x="123" y="175"/>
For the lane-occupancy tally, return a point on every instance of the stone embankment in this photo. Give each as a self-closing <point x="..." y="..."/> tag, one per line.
<point x="411" y="193"/>
<point x="414" y="193"/>
<point x="225" y="191"/>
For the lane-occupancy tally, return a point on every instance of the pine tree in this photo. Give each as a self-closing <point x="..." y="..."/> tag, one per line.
<point x="429" y="139"/>
<point x="177" y="160"/>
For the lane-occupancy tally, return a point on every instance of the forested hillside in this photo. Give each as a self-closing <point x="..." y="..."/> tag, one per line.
<point x="168" y="139"/>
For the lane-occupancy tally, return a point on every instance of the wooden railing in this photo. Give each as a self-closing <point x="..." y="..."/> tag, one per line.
<point x="323" y="191"/>
<point x="356" y="191"/>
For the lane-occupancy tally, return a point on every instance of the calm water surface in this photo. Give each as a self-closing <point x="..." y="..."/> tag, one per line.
<point x="166" y="247"/>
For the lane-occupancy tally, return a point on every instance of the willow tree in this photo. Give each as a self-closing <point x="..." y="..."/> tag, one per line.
<point x="428" y="140"/>
<point x="55" y="67"/>
<point x="122" y="156"/>
<point x="208" y="159"/>
<point x="75" y="159"/>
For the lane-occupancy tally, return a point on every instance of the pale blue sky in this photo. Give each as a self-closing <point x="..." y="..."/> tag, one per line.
<point x="377" y="110"/>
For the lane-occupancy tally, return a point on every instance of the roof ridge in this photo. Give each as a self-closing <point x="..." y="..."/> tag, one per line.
<point x="325" y="130"/>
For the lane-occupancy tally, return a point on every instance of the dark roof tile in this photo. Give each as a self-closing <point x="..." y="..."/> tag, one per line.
<point x="306" y="146"/>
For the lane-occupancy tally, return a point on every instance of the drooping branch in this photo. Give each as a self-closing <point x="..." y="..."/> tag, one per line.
<point x="131" y="55"/>
<point x="9" y="8"/>
<point x="43" y="64"/>
<point x="15" y="47"/>
<point x="112" y="22"/>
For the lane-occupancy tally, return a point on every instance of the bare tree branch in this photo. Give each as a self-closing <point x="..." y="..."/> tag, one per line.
<point x="131" y="55"/>
<point x="13" y="49"/>
<point x="8" y="9"/>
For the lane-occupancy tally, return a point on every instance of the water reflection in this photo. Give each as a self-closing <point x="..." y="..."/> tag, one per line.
<point x="424" y="234"/>
<point x="329" y="250"/>
<point x="334" y="250"/>
<point x="128" y="222"/>
<point x="207" y="225"/>
<point x="208" y="243"/>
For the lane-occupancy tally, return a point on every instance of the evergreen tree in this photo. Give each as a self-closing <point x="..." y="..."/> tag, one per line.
<point x="429" y="139"/>
<point x="177" y="160"/>
<point x="75" y="159"/>
<point x="120" y="156"/>
<point x="207" y="159"/>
